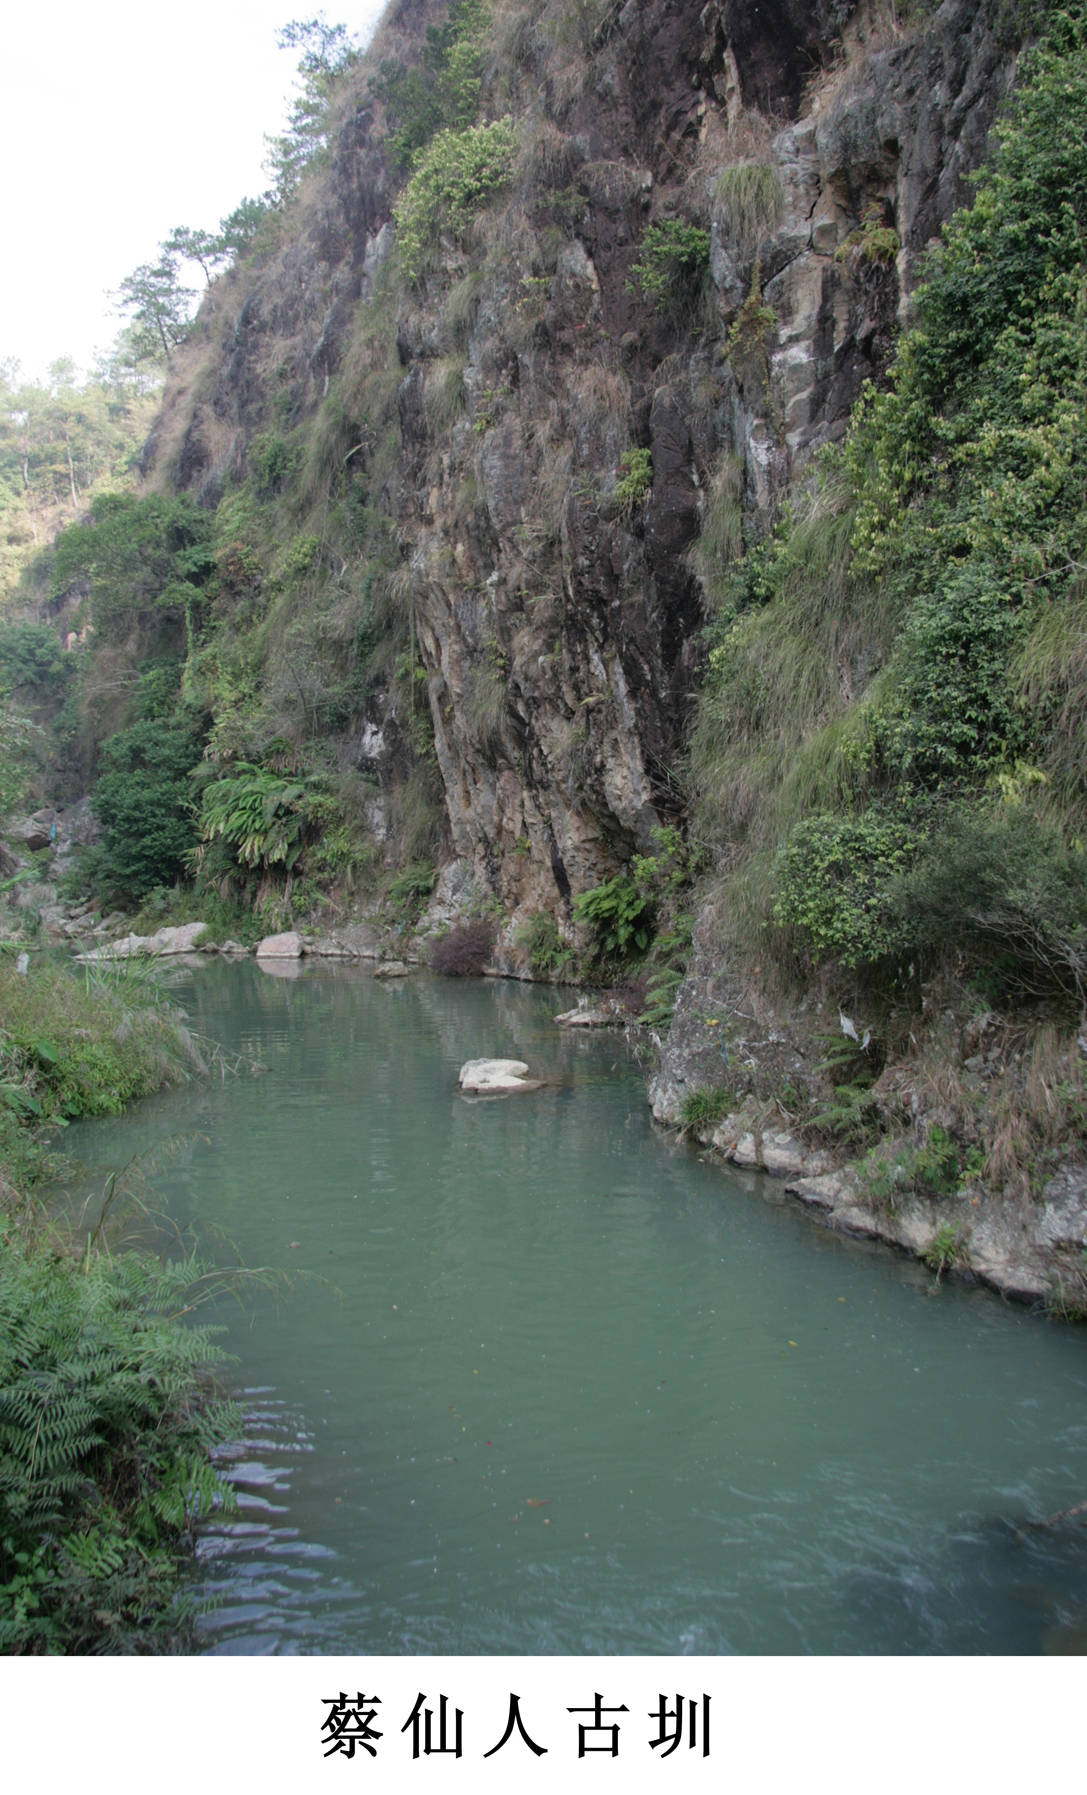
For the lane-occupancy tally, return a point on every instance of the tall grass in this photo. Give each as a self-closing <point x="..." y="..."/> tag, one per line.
<point x="748" y="205"/>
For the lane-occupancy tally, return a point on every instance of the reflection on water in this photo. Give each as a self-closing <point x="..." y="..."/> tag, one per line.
<point x="553" y="1385"/>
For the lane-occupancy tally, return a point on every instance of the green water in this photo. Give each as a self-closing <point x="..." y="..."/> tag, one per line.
<point x="558" y="1386"/>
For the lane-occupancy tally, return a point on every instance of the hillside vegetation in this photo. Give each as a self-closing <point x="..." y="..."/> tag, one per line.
<point x="931" y="813"/>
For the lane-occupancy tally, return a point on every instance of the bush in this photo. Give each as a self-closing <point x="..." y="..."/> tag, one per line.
<point x="675" y="259"/>
<point x="411" y="887"/>
<point x="634" y="480"/>
<point x="548" y="954"/>
<point x="261" y="816"/>
<point x="31" y="657"/>
<point x="1005" y="888"/>
<point x="620" y="916"/>
<point x="140" y="555"/>
<point x="144" y="803"/>
<point x="456" y="174"/>
<point x="834" y="885"/>
<point x="464" y="952"/>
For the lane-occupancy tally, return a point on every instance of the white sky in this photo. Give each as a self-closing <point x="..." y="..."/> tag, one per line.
<point x="118" y="121"/>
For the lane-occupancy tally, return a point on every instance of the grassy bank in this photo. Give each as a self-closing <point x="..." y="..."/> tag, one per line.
<point x="106" y="1411"/>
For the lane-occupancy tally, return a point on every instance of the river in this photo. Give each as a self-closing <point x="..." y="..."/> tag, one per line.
<point x="547" y="1381"/>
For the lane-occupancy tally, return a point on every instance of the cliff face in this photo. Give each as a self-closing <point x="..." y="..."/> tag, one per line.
<point x="496" y="413"/>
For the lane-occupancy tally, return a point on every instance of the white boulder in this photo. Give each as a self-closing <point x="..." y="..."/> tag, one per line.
<point x="490" y="1077"/>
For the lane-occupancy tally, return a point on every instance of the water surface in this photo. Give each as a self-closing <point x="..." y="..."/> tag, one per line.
<point x="559" y="1386"/>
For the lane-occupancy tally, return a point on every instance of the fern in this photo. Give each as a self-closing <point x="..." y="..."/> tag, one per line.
<point x="105" y="1427"/>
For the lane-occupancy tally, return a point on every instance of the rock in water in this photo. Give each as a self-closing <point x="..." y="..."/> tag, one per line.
<point x="490" y="1077"/>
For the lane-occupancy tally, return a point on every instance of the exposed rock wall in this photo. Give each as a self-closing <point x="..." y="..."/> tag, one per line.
<point x="559" y="628"/>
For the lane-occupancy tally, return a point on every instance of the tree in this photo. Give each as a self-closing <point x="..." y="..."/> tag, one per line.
<point x="195" y="246"/>
<point x="327" y="52"/>
<point x="239" y="229"/>
<point x="159" y="305"/>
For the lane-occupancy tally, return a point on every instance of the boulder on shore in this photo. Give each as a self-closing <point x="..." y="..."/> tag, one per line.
<point x="493" y="1077"/>
<point x="287" y="946"/>
<point x="181" y="939"/>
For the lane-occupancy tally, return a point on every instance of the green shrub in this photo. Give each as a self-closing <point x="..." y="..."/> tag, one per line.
<point x="658" y="1005"/>
<point x="620" y="915"/>
<point x="143" y="801"/>
<point x="271" y="460"/>
<point x="873" y="242"/>
<point x="834" y="882"/>
<point x="1004" y="887"/>
<point x="944" y="1249"/>
<point x="442" y="88"/>
<point x="137" y="554"/>
<point x="458" y="172"/>
<point x="548" y="954"/>
<point x="634" y="481"/>
<point x="853" y="1117"/>
<point x="32" y="658"/>
<point x="411" y="888"/>
<point x="261" y="816"/>
<point x="673" y="265"/>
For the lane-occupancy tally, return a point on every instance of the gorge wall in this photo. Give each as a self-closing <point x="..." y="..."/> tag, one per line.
<point x="482" y="423"/>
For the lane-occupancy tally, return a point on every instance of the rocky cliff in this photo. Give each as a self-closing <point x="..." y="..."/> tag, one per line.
<point x="490" y="408"/>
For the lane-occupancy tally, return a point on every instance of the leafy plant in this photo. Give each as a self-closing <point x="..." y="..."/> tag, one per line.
<point x="659" y="1004"/>
<point x="853" y="1116"/>
<point x="875" y="241"/>
<point x="944" y="1250"/>
<point x="441" y="90"/>
<point x="31" y="657"/>
<point x="620" y="916"/>
<point x="634" y="480"/>
<point x="834" y="881"/>
<point x="105" y="1425"/>
<point x="261" y="815"/>
<point x="457" y="173"/>
<point x="674" y="261"/>
<point x="411" y="887"/>
<point x="143" y="802"/>
<point x="548" y="954"/>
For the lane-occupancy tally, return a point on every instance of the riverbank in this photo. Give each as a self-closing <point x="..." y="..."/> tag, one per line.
<point x="107" y="1415"/>
<point x="961" y="1140"/>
